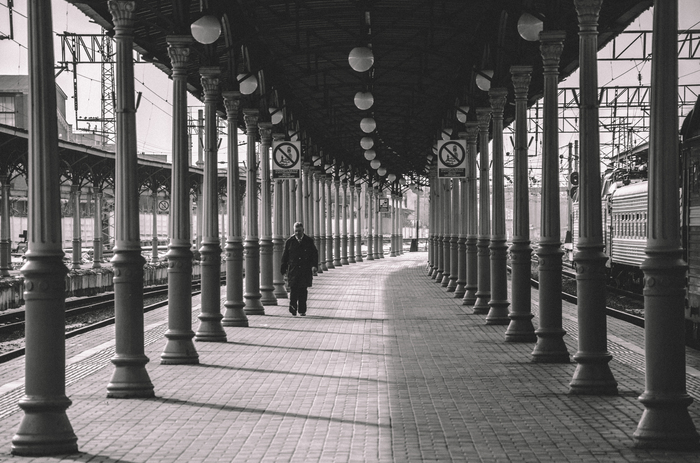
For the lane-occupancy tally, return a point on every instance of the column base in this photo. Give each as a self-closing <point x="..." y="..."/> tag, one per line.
<point x="666" y="424"/>
<point x="550" y="347"/>
<point x="452" y="285"/>
<point x="481" y="305"/>
<point x="445" y="280"/>
<point x="130" y="379"/>
<point x="234" y="315"/>
<point x="253" y="307"/>
<point x="469" y="296"/>
<point x="45" y="429"/>
<point x="210" y="328"/>
<point x="460" y="290"/>
<point x="344" y="261"/>
<point x="593" y="375"/>
<point x="370" y="257"/>
<point x="267" y="297"/>
<point x="280" y="292"/>
<point x="358" y="258"/>
<point x="179" y="350"/>
<point x="337" y="263"/>
<point x="498" y="313"/>
<point x="521" y="329"/>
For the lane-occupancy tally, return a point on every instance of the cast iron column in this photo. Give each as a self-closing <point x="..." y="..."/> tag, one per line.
<point x="329" y="221"/>
<point x="593" y="374"/>
<point x="520" y="328"/>
<point x="210" y="327"/>
<point x="322" y="214"/>
<point x="344" y="227"/>
<point x="5" y="241"/>
<point x="45" y="428"/>
<point x="550" y="345"/>
<point x="454" y="236"/>
<point x="438" y="223"/>
<point x="463" y="216"/>
<point x="251" y="246"/>
<point x="483" y="293"/>
<point x="432" y="206"/>
<point x="278" y="232"/>
<point x="336" y="231"/>
<point x="316" y="199"/>
<point x="154" y="242"/>
<point x="267" y="287"/>
<point x="179" y="348"/>
<point x="370" y="220"/>
<point x="360" y="212"/>
<point x="471" y="217"/>
<point x="665" y="422"/>
<point x="378" y="229"/>
<point x="77" y="240"/>
<point x="97" y="225"/>
<point x="130" y="378"/>
<point x="498" y="312"/>
<point x="446" y="231"/>
<point x="234" y="312"/>
<point x="351" y="223"/>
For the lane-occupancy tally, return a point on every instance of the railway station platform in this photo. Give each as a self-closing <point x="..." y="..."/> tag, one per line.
<point x="387" y="366"/>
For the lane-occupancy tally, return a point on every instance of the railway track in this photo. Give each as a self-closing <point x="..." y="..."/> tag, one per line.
<point x="14" y="322"/>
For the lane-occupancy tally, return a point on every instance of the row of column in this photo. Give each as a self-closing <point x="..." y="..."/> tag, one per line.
<point x="665" y="422"/>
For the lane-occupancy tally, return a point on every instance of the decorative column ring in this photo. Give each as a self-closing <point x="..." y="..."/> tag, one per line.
<point x="234" y="313"/>
<point x="130" y="378"/>
<point x="266" y="271"/>
<point x="520" y="328"/>
<point x="483" y="293"/>
<point x="210" y="327"/>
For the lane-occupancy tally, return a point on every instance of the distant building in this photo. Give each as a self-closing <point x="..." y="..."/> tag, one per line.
<point x="14" y="111"/>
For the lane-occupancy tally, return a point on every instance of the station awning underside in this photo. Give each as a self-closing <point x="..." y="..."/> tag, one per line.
<point x="427" y="54"/>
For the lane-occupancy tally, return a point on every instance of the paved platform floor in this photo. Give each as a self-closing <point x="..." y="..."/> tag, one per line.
<point x="386" y="367"/>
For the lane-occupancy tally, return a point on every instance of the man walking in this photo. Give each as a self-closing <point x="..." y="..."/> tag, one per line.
<point x="299" y="262"/>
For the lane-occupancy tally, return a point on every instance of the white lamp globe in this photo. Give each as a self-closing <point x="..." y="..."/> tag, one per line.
<point x="381" y="171"/>
<point x="370" y="154"/>
<point x="446" y="134"/>
<point x="529" y="27"/>
<point x="482" y="82"/>
<point x="276" y="115"/>
<point x="375" y="164"/>
<point x="391" y="177"/>
<point x="206" y="29"/>
<point x="402" y="181"/>
<point x="361" y="59"/>
<point x="247" y="83"/>
<point x="368" y="125"/>
<point x="364" y="100"/>
<point x="366" y="143"/>
<point x="462" y="113"/>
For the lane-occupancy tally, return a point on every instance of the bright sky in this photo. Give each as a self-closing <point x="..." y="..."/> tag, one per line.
<point x="154" y="113"/>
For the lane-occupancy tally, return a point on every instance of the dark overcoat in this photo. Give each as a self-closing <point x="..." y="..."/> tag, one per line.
<point x="298" y="259"/>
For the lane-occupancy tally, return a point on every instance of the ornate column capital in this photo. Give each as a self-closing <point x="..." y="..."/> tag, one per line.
<point x="122" y="14"/>
<point x="251" y="116"/>
<point x="497" y="97"/>
<point x="483" y="117"/>
<point x="210" y="81"/>
<point x="521" y="76"/>
<point x="232" y="102"/>
<point x="265" y="129"/>
<point x="472" y="134"/>
<point x="551" y="46"/>
<point x="179" y="52"/>
<point x="588" y="11"/>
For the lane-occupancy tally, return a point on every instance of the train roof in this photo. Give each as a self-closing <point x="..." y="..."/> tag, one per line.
<point x="631" y="189"/>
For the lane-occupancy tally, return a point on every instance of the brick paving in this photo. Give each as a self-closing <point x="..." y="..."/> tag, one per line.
<point x="386" y="367"/>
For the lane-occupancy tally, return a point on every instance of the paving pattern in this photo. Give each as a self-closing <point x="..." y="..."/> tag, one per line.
<point x="387" y="366"/>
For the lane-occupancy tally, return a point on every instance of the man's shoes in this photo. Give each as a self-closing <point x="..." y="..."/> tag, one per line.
<point x="303" y="314"/>
<point x="293" y="311"/>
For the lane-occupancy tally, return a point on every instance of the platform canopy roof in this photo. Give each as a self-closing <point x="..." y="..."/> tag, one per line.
<point x="427" y="55"/>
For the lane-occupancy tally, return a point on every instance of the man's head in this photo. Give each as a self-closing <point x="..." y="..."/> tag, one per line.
<point x="298" y="229"/>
